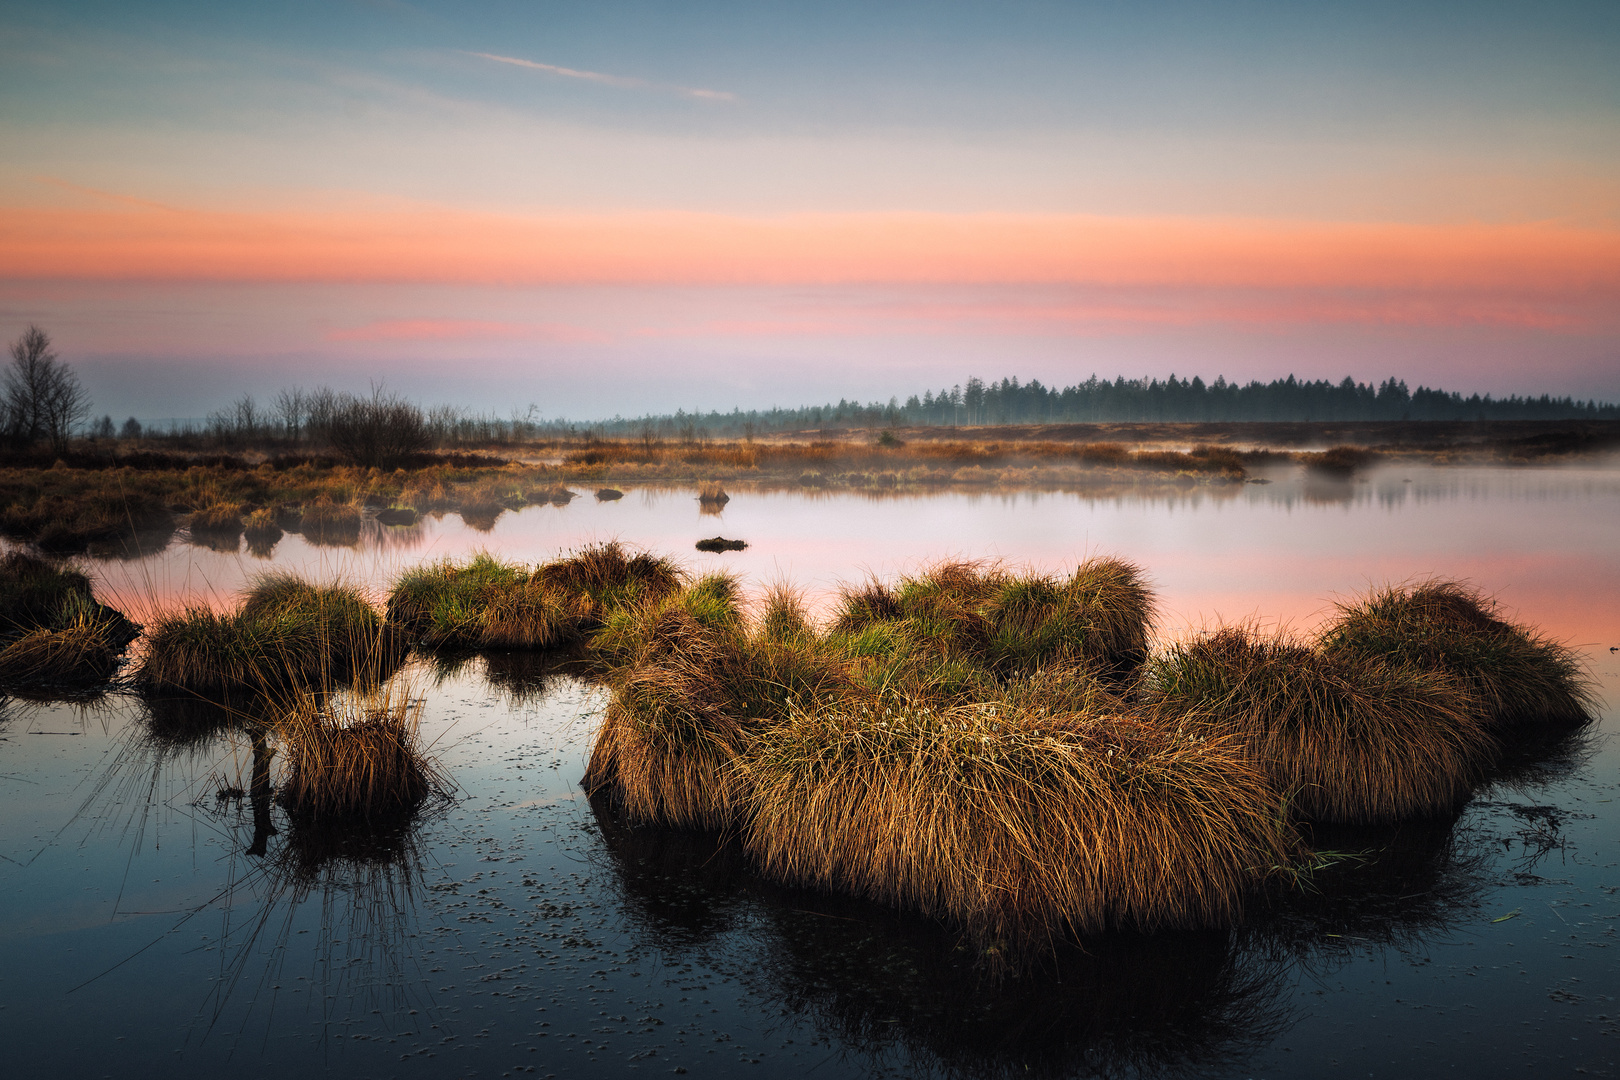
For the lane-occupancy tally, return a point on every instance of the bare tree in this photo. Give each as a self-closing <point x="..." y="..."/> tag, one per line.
<point x="381" y="430"/>
<point x="291" y="407"/>
<point x="43" y="399"/>
<point x="131" y="430"/>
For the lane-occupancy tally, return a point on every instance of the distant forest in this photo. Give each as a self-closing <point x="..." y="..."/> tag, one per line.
<point x="977" y="403"/>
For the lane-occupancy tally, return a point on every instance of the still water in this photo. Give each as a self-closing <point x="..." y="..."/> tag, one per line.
<point x="154" y="921"/>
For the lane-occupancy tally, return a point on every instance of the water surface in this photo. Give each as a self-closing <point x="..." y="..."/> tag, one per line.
<point x="158" y="919"/>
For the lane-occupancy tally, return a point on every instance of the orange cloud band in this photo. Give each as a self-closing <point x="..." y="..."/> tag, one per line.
<point x="454" y="246"/>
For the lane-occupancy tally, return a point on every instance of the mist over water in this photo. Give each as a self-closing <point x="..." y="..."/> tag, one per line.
<point x="161" y="915"/>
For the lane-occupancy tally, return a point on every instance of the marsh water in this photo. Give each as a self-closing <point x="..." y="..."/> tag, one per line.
<point x="159" y="916"/>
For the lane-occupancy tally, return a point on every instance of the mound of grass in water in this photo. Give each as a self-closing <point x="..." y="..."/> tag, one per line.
<point x="222" y="520"/>
<point x="630" y="633"/>
<point x="356" y="759"/>
<point x="981" y="619"/>
<point x="1015" y="823"/>
<point x="686" y="709"/>
<point x="1518" y="675"/>
<point x="287" y="633"/>
<point x="1349" y="738"/>
<point x="54" y="635"/>
<point x="332" y="523"/>
<point x="485" y="603"/>
<point x="262" y="530"/>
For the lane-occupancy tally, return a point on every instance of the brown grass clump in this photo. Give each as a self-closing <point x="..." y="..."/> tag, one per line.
<point x="333" y="523"/>
<point x="86" y="650"/>
<point x="608" y="574"/>
<point x="287" y="633"/>
<point x="1014" y="823"/>
<point x="1338" y="460"/>
<point x="221" y="520"/>
<point x="1518" y="675"/>
<point x="485" y="603"/>
<point x="683" y="713"/>
<point x="1349" y="738"/>
<point x="1004" y="624"/>
<point x="261" y="527"/>
<point x="356" y="759"/>
<point x="54" y="635"/>
<point x="531" y="615"/>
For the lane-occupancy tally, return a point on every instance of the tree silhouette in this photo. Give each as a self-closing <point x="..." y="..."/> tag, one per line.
<point x="43" y="400"/>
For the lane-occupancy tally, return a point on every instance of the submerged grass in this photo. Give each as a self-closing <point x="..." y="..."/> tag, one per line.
<point x="1349" y="738"/>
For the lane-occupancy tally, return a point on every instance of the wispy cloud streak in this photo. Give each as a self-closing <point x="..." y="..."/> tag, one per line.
<point x="608" y="80"/>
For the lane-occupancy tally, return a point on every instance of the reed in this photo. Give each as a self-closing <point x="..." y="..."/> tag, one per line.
<point x="1013" y="823"/>
<point x="1349" y="738"/>
<point x="1518" y="675"/>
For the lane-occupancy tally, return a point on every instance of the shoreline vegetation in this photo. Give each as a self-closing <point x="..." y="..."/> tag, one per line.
<point x="115" y="495"/>
<point x="1013" y="754"/>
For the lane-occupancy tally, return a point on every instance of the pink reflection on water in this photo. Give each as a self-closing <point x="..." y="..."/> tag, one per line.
<point x="1541" y="540"/>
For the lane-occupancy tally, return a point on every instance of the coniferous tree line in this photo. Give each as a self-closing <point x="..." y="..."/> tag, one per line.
<point x="977" y="403"/>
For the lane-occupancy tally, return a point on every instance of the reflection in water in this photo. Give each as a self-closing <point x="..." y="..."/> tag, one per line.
<point x="518" y="678"/>
<point x="1395" y="887"/>
<point x="367" y="882"/>
<point x="366" y="876"/>
<point x="902" y="991"/>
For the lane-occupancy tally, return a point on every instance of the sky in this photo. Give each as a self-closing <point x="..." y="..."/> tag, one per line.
<point x="618" y="208"/>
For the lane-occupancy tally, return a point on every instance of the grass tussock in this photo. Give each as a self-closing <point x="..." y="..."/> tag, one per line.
<point x="995" y="622"/>
<point x="1347" y="738"/>
<point x="82" y="650"/>
<point x="261" y="527"/>
<point x="485" y="603"/>
<point x="1015" y="823"/>
<point x="1518" y="675"/>
<point x="54" y="635"/>
<point x="358" y="758"/>
<point x="332" y="523"/>
<point x="287" y="633"/>
<point x="220" y="520"/>
<point x="689" y="699"/>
